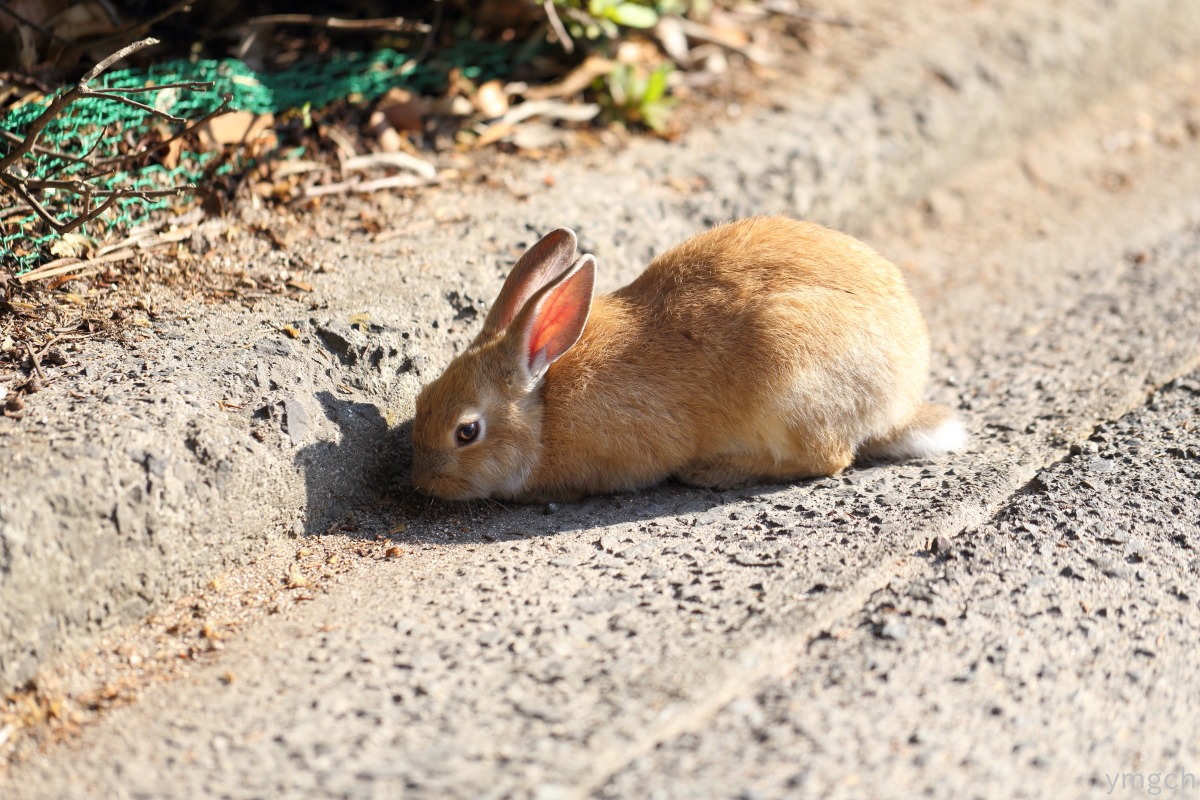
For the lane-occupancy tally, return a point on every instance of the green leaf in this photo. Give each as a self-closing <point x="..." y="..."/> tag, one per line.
<point x="656" y="84"/>
<point x="632" y="15"/>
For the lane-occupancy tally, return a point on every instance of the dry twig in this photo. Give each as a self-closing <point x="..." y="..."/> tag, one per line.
<point x="37" y="366"/>
<point x="334" y="23"/>
<point x="568" y="44"/>
<point x="404" y="181"/>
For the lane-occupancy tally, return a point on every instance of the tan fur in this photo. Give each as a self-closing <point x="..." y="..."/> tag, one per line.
<point x="765" y="349"/>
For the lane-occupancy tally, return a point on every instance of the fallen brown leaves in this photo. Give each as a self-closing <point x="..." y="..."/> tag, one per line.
<point x="402" y="142"/>
<point x="120" y="289"/>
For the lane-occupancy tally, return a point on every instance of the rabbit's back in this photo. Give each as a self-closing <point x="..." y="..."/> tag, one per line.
<point x="766" y="336"/>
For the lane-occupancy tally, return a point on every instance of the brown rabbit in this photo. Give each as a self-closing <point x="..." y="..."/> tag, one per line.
<point x="763" y="350"/>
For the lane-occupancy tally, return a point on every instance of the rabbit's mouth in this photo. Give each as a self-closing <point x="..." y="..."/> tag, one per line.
<point x="447" y="487"/>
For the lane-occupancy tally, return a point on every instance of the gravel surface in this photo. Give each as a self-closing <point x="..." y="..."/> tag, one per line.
<point x="140" y="470"/>
<point x="1046" y="653"/>
<point x="380" y="645"/>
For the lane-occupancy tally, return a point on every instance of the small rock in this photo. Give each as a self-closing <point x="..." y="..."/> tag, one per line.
<point x="601" y="603"/>
<point x="297" y="420"/>
<point x="610" y="543"/>
<point x="895" y="630"/>
<point x="273" y="347"/>
<point x="1068" y="572"/>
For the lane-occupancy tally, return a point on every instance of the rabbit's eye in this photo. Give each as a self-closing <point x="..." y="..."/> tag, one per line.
<point x="467" y="432"/>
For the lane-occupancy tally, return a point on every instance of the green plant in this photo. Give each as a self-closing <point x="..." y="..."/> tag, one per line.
<point x="639" y="98"/>
<point x="597" y="19"/>
<point x="624" y="12"/>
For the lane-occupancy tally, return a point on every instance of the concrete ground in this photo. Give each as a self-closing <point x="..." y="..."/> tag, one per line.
<point x="1014" y="621"/>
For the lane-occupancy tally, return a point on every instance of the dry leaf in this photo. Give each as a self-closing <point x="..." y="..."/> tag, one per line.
<point x="490" y="100"/>
<point x="673" y="39"/>
<point x="404" y="110"/>
<point x="390" y="140"/>
<point x="398" y="160"/>
<point x="576" y="81"/>
<point x="82" y="21"/>
<point x="71" y="245"/>
<point x="172" y="152"/>
<point x="551" y="109"/>
<point x="296" y="166"/>
<point x="234" y="128"/>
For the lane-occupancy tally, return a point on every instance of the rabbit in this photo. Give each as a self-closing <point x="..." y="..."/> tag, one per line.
<point x="764" y="350"/>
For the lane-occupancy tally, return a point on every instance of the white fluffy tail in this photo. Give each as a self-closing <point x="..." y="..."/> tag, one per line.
<point x="932" y="431"/>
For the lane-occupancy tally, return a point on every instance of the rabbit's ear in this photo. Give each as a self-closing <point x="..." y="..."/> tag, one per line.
<point x="541" y="264"/>
<point x="553" y="320"/>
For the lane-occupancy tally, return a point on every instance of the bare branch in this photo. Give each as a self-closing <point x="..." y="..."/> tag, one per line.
<point x="334" y="23"/>
<point x="80" y="89"/>
<point x="24" y="188"/>
<point x="87" y="189"/>
<point x="192" y="85"/>
<point x="123" y="53"/>
<point x="46" y="151"/>
<point x="22" y="192"/>
<point x="568" y="44"/>
<point x="439" y="10"/>
<point x="131" y="102"/>
<point x="364" y="187"/>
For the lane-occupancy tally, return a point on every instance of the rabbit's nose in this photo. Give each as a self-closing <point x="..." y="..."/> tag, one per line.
<point x="425" y="470"/>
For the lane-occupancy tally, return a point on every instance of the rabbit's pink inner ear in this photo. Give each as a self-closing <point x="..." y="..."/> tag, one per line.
<point x="560" y="316"/>
<point x="541" y="264"/>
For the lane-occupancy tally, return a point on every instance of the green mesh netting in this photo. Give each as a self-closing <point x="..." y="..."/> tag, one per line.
<point x="103" y="128"/>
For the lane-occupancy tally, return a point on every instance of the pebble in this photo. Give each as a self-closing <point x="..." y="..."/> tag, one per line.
<point x="297" y="420"/>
